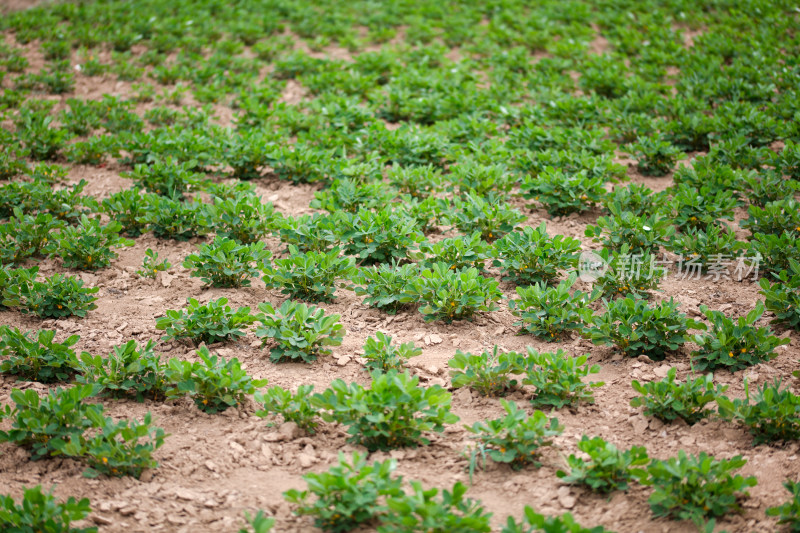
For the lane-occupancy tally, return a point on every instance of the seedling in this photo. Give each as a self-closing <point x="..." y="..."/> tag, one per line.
<point x="130" y="370"/>
<point x="696" y="488"/>
<point x="423" y="511"/>
<point x="385" y="285"/>
<point x="449" y="295"/>
<point x="151" y="266"/>
<point x="515" y="438"/>
<point x="309" y="275"/>
<point x="382" y="356"/>
<point x="226" y="263"/>
<point x="301" y="332"/>
<point x="668" y="400"/>
<point x="635" y="327"/>
<point x="39" y="511"/>
<point x="395" y="412"/>
<point x="608" y="468"/>
<point x="88" y="245"/>
<point x="558" y="379"/>
<point x="789" y="512"/>
<point x="550" y="313"/>
<point x="772" y="416"/>
<point x="488" y="374"/>
<point x="295" y="408"/>
<point x="349" y="495"/>
<point x="530" y="255"/>
<point x="209" y="323"/>
<point x="734" y="345"/>
<point x="57" y="296"/>
<point x="213" y="383"/>
<point x="34" y="356"/>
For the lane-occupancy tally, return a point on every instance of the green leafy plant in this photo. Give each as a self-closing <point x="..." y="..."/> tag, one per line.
<point x="783" y="297"/>
<point x="558" y="378"/>
<point x="771" y="415"/>
<point x="705" y="247"/>
<point x="88" y="245"/>
<point x="382" y="356"/>
<point x="696" y="488"/>
<point x="169" y="218"/>
<point x="530" y="255"/>
<point x="243" y="217"/>
<point x="152" y="266"/>
<point x="534" y="521"/>
<point x="452" y="295"/>
<point x="213" y="383"/>
<point x="301" y="332"/>
<point x="260" y="523"/>
<point x="309" y="275"/>
<point x="57" y="296"/>
<point x="226" y="263"/>
<point x="734" y="345"/>
<point x="640" y="233"/>
<point x="348" y="495"/>
<point x="489" y="215"/>
<point x="669" y="400"/>
<point x="551" y="312"/>
<point x="123" y="448"/>
<point x="128" y="208"/>
<point x="385" y="285"/>
<point x="311" y="233"/>
<point x="699" y="207"/>
<point x="166" y="178"/>
<point x="656" y="156"/>
<point x="635" y="327"/>
<point x="29" y="236"/>
<point x="460" y="252"/>
<point x="488" y="374"/>
<point x="295" y="407"/>
<point x="780" y="216"/>
<point x="394" y="412"/>
<point x="34" y="356"/>
<point x="423" y="511"/>
<point x="43" y="425"/>
<point x="627" y="275"/>
<point x="563" y="194"/>
<point x="515" y="438"/>
<point x="789" y="512"/>
<point x="208" y="323"/>
<point x="608" y="468"/>
<point x="130" y="370"/>
<point x="39" y="511"/>
<point x="379" y="237"/>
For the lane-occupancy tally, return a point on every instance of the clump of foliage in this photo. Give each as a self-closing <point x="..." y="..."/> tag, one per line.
<point x="349" y="495"/>
<point x="213" y="383"/>
<point x="383" y="356"/>
<point x="309" y="275"/>
<point x="130" y="370"/>
<point x="395" y="412"/>
<point x="208" y="323"/>
<point x="514" y="439"/>
<point x="39" y="511"/>
<point x="35" y="356"/>
<point x="448" y="295"/>
<point x="608" y="468"/>
<point x="488" y="374"/>
<point x="669" y="400"/>
<point x="558" y="378"/>
<point x="530" y="255"/>
<point x="734" y="345"/>
<point x="772" y="414"/>
<point x="299" y="331"/>
<point x="295" y="407"/>
<point x="634" y="327"/>
<point x="226" y="263"/>
<point x="551" y="312"/>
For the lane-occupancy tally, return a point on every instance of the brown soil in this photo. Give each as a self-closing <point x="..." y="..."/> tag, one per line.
<point x="213" y="468"/>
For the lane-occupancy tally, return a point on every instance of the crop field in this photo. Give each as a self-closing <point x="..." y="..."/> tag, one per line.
<point x="400" y="266"/>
